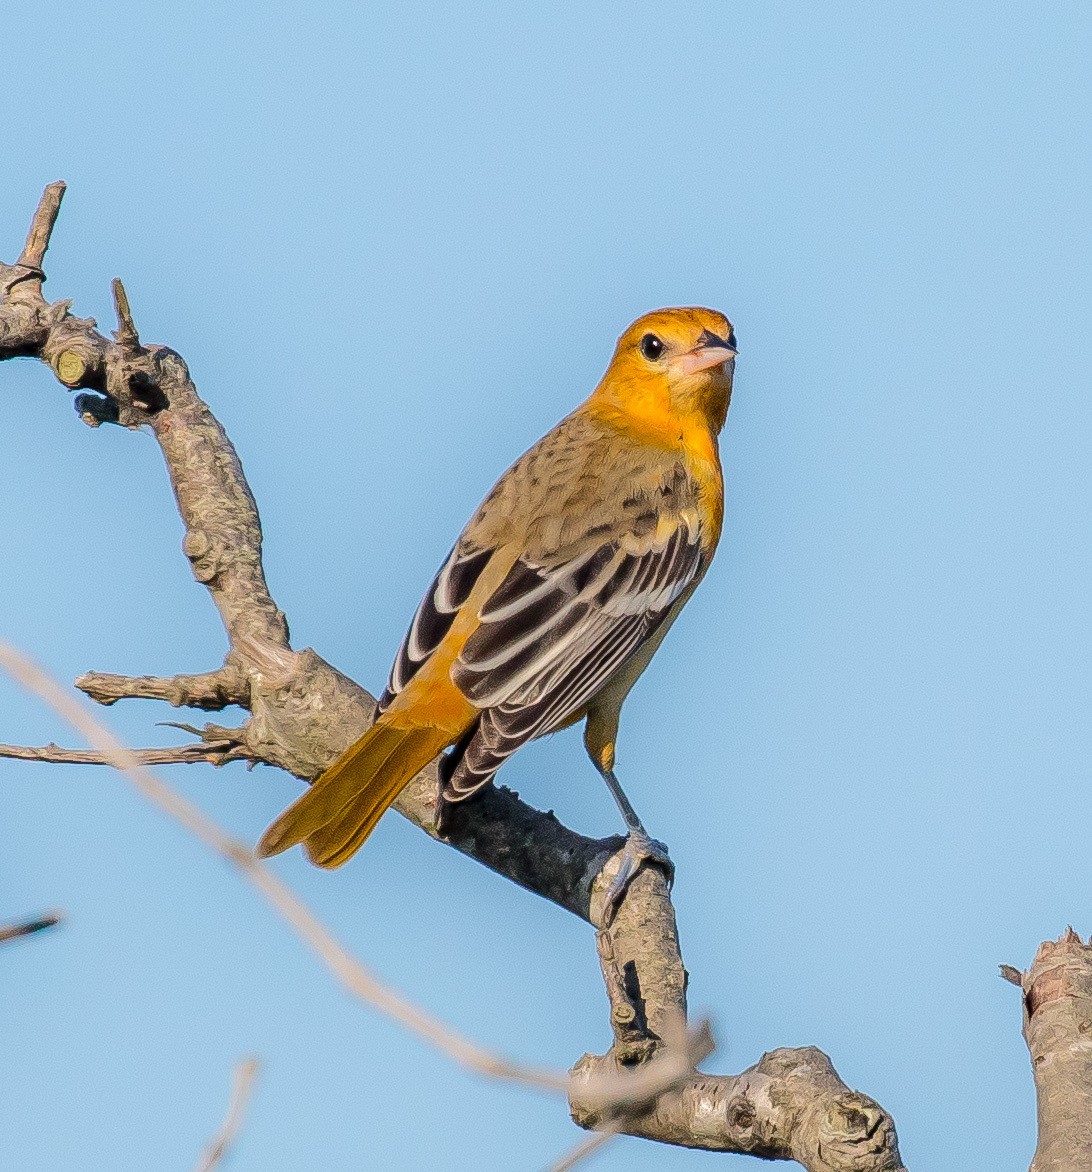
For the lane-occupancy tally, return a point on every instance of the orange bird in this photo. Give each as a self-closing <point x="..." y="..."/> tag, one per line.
<point x="556" y="595"/>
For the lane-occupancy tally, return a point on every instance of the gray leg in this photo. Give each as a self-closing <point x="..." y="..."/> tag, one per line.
<point x="629" y="814"/>
<point x="639" y="849"/>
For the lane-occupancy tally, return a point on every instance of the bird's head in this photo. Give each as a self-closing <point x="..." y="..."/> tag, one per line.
<point x="675" y="364"/>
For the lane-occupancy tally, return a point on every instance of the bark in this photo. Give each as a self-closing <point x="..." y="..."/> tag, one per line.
<point x="303" y="712"/>
<point x="1058" y="1030"/>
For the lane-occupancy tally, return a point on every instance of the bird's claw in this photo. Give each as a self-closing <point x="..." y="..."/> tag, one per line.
<point x="640" y="850"/>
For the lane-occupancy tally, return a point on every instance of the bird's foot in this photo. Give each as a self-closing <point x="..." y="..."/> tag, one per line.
<point x="640" y="851"/>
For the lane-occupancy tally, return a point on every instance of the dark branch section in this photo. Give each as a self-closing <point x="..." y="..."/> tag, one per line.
<point x="303" y="712"/>
<point x="28" y="927"/>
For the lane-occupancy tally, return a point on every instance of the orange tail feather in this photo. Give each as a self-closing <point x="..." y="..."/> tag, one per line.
<point x="338" y="812"/>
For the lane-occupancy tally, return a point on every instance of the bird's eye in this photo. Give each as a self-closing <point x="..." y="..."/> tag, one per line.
<point x="651" y="347"/>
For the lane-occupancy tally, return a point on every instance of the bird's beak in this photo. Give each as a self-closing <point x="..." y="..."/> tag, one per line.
<point x="711" y="350"/>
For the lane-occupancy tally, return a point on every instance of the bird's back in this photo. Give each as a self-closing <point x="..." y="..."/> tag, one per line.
<point x="586" y="481"/>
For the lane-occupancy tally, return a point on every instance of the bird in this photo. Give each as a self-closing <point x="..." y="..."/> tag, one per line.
<point x="555" y="596"/>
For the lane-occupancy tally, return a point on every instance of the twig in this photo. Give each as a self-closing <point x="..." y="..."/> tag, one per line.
<point x="358" y="979"/>
<point x="584" y="1149"/>
<point x="41" y="227"/>
<point x="28" y="927"/>
<point x="212" y="690"/>
<point x="204" y="752"/>
<point x="126" y="334"/>
<point x="242" y="1083"/>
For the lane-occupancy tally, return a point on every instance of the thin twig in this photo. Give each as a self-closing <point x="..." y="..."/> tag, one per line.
<point x="126" y="333"/>
<point x="358" y="979"/>
<point x="200" y="752"/>
<point x="41" y="227"/>
<point x="28" y="927"/>
<point x="586" y="1147"/>
<point x="242" y="1083"/>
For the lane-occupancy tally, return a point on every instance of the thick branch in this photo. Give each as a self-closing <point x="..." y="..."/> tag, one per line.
<point x="1058" y="1030"/>
<point x="791" y="1105"/>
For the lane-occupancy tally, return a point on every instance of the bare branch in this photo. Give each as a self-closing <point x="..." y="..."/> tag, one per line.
<point x="636" y="1090"/>
<point x="1058" y="1030"/>
<point x="211" y="691"/>
<point x="28" y="927"/>
<point x="242" y="1084"/>
<point x="208" y="753"/>
<point x="791" y="1105"/>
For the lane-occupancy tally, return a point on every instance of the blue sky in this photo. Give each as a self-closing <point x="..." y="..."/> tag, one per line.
<point x="395" y="245"/>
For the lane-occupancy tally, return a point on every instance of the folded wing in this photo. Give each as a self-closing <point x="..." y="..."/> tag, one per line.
<point x="449" y="590"/>
<point x="551" y="636"/>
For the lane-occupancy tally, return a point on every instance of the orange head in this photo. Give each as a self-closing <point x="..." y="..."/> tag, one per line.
<point x="672" y="366"/>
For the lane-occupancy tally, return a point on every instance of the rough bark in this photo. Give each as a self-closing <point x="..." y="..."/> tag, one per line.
<point x="303" y="712"/>
<point x="1058" y="1030"/>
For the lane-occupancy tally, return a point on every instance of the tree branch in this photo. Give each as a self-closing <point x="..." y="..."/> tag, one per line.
<point x="791" y="1105"/>
<point x="1058" y="1030"/>
<point x="212" y="691"/>
<point x="304" y="712"/>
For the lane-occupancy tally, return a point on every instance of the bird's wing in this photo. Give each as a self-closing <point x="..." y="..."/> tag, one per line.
<point x="551" y="636"/>
<point x="449" y="591"/>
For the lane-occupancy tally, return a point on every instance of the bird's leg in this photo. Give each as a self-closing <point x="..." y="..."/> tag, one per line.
<point x="640" y="848"/>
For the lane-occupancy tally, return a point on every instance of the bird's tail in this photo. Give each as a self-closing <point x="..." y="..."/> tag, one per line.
<point x="341" y="809"/>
